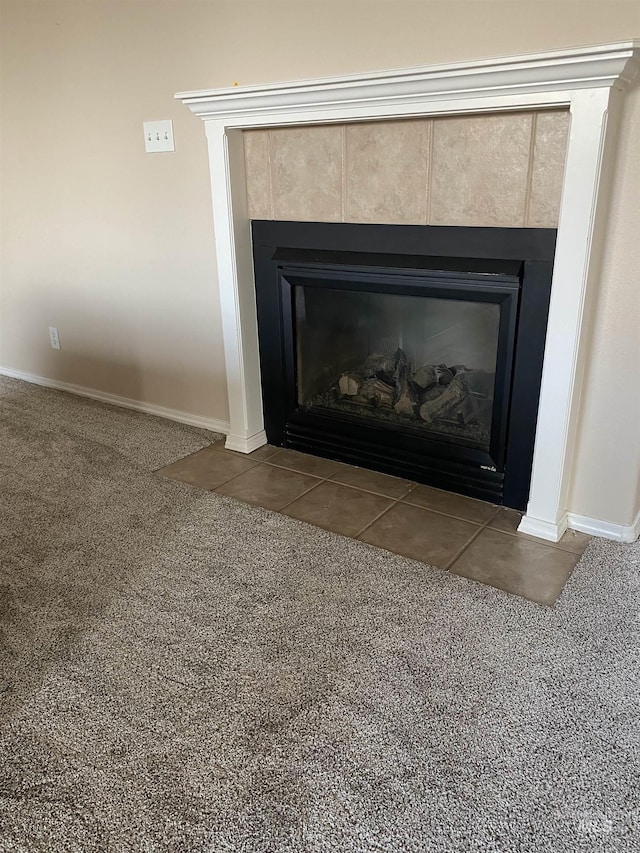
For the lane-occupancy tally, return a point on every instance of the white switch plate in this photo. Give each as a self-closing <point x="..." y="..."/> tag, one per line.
<point x="158" y="136"/>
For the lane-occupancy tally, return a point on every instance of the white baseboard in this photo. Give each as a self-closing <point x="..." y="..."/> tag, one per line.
<point x="593" y="526"/>
<point x="605" y="529"/>
<point x="543" y="529"/>
<point x="212" y="424"/>
<point x="246" y="445"/>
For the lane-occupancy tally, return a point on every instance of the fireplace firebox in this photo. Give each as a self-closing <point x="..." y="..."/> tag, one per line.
<point x="412" y="350"/>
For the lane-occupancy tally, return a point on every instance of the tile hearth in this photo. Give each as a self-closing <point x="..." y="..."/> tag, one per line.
<point x="458" y="534"/>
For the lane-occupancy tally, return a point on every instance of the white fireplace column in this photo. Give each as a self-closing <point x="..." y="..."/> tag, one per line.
<point x="588" y="81"/>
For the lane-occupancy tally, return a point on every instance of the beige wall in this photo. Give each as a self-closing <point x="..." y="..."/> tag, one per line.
<point x="488" y="170"/>
<point x="115" y="247"/>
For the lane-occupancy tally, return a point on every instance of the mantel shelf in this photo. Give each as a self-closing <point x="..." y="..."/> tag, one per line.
<point x="598" y="66"/>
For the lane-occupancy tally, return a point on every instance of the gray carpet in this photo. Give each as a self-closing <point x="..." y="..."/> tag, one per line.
<point x="181" y="672"/>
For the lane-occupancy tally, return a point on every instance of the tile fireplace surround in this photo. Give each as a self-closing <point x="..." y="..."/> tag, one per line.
<point x="589" y="82"/>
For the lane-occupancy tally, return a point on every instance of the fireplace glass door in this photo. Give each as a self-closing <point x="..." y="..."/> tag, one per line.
<point x="426" y="355"/>
<point x="419" y="363"/>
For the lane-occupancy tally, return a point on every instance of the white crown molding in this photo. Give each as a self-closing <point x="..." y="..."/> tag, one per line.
<point x="211" y="424"/>
<point x="607" y="65"/>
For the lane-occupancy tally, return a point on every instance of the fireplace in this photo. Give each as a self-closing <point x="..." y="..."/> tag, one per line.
<point x="412" y="350"/>
<point x="588" y="81"/>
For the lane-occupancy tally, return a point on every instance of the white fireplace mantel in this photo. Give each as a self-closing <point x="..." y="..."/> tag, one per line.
<point x="588" y="81"/>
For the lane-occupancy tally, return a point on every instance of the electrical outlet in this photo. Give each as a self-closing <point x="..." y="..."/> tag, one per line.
<point x="54" y="337"/>
<point x="158" y="136"/>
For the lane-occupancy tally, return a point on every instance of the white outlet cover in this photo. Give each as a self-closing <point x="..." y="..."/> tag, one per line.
<point x="158" y="136"/>
<point x="54" y="337"/>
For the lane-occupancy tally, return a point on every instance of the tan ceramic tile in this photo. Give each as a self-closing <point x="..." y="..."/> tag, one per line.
<point x="372" y="481"/>
<point x="304" y="462"/>
<point x="507" y="521"/>
<point x="516" y="565"/>
<point x="386" y="171"/>
<point x="256" y="158"/>
<point x="479" y="169"/>
<point x="259" y="455"/>
<point x="574" y="541"/>
<point x="549" y="154"/>
<point x="420" y="534"/>
<point x="268" y="486"/>
<point x="306" y="173"/>
<point x="338" y="508"/>
<point x="451" y="504"/>
<point x="207" y="469"/>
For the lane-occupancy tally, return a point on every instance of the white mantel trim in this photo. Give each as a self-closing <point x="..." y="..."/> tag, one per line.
<point x="586" y="80"/>
<point x="582" y="68"/>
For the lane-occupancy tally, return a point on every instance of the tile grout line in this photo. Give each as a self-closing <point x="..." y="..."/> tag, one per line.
<point x="367" y="491"/>
<point x="448" y="514"/>
<point x="272" y="208"/>
<point x="346" y="485"/>
<point x="461" y="551"/>
<point x="204" y="488"/>
<point x="535" y="540"/>
<point x="343" y="173"/>
<point x="377" y="518"/>
<point x="224" y="482"/>
<point x="302" y="494"/>
<point x="523" y="537"/>
<point x="262" y="462"/>
<point x="491" y="517"/>
<point x="329" y="479"/>
<point x="429" y="158"/>
<point x="530" y="164"/>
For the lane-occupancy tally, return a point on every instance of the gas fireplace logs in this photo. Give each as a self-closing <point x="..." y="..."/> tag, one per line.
<point x="430" y="393"/>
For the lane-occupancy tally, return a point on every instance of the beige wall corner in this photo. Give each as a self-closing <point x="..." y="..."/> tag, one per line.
<point x="607" y="465"/>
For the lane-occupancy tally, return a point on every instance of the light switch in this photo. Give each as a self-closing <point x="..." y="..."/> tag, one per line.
<point x="158" y="136"/>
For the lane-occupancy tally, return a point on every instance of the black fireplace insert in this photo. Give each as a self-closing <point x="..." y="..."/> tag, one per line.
<point x="412" y="350"/>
